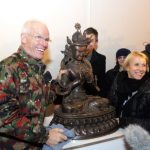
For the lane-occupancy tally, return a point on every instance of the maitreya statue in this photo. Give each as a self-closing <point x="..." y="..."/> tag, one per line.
<point x="88" y="115"/>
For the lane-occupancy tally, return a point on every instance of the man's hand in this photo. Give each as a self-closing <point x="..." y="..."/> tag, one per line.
<point x="55" y="136"/>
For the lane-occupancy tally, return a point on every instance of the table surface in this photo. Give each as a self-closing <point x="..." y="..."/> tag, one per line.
<point x="75" y="144"/>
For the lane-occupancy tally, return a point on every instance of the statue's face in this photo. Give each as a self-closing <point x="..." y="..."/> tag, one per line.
<point x="80" y="52"/>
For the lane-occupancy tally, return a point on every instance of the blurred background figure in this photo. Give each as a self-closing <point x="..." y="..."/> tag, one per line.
<point x="97" y="60"/>
<point x="46" y="58"/>
<point x="147" y="51"/>
<point x="110" y="75"/>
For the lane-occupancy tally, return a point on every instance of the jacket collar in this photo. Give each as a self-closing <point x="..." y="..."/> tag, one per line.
<point x="35" y="64"/>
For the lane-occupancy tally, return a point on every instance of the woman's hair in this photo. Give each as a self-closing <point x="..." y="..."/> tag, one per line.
<point x="136" y="54"/>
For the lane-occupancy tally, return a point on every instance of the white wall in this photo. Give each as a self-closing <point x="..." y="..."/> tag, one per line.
<point x="120" y="23"/>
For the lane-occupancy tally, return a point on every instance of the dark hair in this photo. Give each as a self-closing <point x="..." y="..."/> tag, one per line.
<point x="91" y="30"/>
<point x="147" y="47"/>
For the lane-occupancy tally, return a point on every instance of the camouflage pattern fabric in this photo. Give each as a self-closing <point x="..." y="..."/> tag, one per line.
<point x="24" y="96"/>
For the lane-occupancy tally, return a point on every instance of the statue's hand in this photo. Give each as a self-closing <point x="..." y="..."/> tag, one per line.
<point x="58" y="88"/>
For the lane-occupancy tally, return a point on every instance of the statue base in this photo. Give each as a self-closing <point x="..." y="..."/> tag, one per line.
<point x="89" y="124"/>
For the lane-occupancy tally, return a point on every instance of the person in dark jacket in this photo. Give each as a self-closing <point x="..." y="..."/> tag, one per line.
<point x="97" y="60"/>
<point x="110" y="75"/>
<point x="147" y="53"/>
<point x="130" y="93"/>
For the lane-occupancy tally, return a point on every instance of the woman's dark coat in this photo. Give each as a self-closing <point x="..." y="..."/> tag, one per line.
<point x="131" y="99"/>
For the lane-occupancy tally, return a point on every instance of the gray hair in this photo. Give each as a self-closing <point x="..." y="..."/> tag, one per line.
<point x="30" y="25"/>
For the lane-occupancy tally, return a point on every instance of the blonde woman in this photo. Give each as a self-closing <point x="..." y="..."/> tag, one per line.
<point x="130" y="93"/>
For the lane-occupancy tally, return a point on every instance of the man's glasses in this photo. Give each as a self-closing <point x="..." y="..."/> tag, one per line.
<point x="39" y="38"/>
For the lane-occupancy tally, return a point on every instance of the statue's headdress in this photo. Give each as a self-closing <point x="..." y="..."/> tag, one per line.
<point x="78" y="38"/>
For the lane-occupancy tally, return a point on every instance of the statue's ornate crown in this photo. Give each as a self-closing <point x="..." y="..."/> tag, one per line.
<point x="78" y="38"/>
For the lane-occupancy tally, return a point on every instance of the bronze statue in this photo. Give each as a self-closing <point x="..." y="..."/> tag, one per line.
<point x="88" y="115"/>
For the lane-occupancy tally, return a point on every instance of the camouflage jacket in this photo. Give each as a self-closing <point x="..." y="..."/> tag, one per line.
<point x="24" y="96"/>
